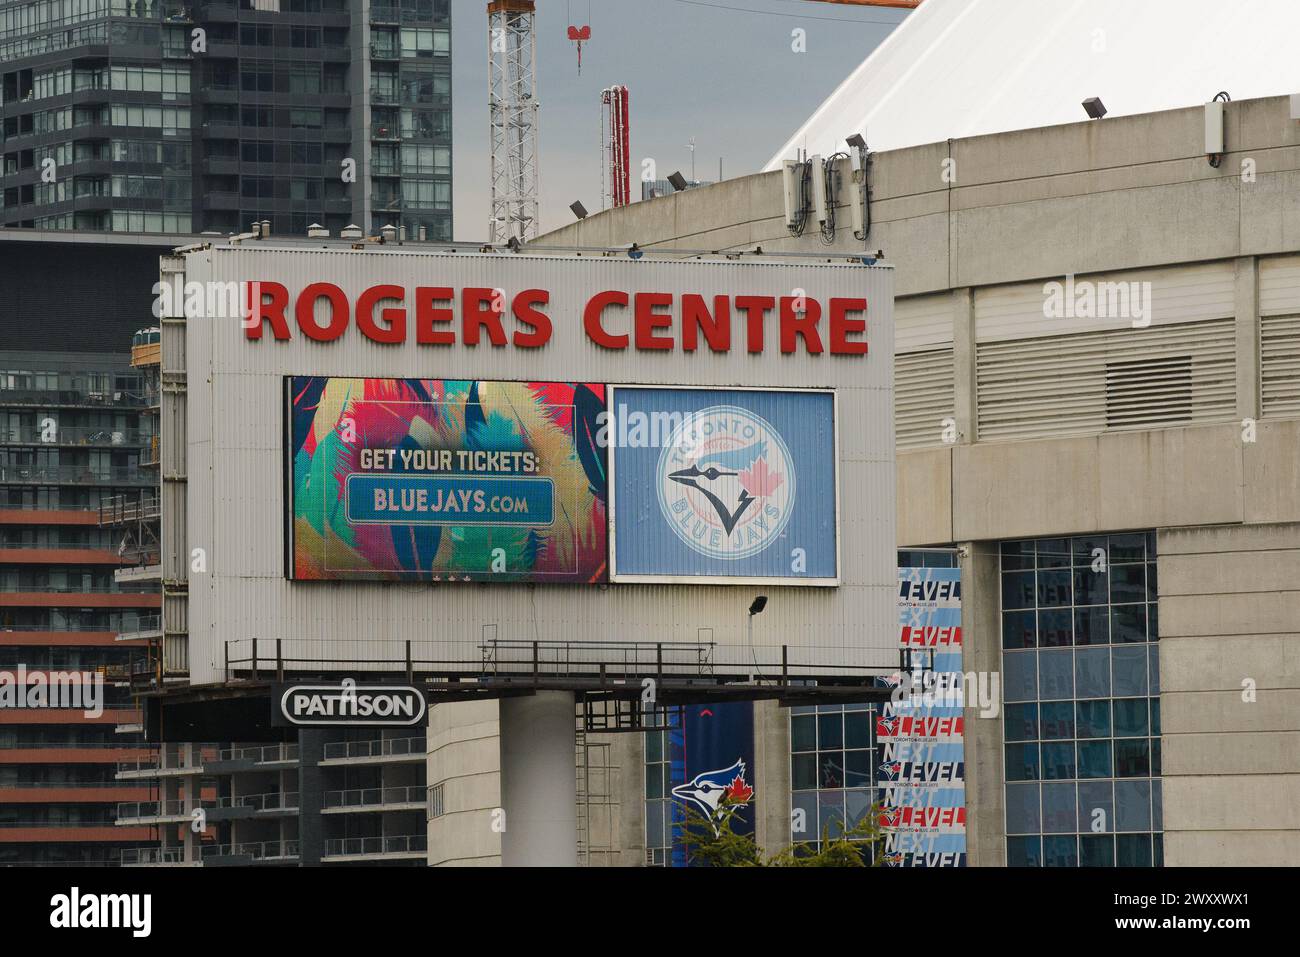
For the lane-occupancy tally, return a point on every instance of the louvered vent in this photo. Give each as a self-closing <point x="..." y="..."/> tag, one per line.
<point x="1279" y="355"/>
<point x="1100" y="381"/>
<point x="1139" y="390"/>
<point x="923" y="397"/>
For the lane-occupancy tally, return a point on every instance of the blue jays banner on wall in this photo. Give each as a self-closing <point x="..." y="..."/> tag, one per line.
<point x="923" y="775"/>
<point x="711" y="755"/>
<point x="729" y="485"/>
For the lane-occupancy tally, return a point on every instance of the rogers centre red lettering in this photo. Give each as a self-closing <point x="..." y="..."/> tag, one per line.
<point x="614" y="319"/>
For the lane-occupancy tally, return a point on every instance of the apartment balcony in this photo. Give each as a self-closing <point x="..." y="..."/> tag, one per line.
<point x="72" y="475"/>
<point x="126" y="509"/>
<point x="135" y="398"/>
<point x="384" y="751"/>
<point x="155" y="857"/>
<point x="221" y="199"/>
<point x="369" y="800"/>
<point x="29" y="553"/>
<point x="378" y="52"/>
<point x="405" y="847"/>
<point x="221" y="166"/>
<point x="148" y="628"/>
<point x="151" y="812"/>
<point x="244" y="855"/>
<point x="244" y="806"/>
<point x="274" y="756"/>
<point x="385" y="133"/>
<point x="74" y="438"/>
<point x="148" y="572"/>
<point x="149" y="767"/>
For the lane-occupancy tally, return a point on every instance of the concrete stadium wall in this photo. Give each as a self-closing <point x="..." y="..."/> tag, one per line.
<point x="1230" y="693"/>
<point x="1119" y="194"/>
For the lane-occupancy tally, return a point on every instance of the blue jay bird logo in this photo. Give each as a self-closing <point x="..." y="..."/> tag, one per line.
<point x="708" y="789"/>
<point x="726" y="483"/>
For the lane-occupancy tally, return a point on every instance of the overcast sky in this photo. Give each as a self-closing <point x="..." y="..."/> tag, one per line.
<point x="722" y="71"/>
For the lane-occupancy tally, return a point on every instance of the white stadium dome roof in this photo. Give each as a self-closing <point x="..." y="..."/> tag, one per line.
<point x="957" y="68"/>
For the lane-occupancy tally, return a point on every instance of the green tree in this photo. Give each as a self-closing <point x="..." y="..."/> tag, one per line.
<point x="716" y="843"/>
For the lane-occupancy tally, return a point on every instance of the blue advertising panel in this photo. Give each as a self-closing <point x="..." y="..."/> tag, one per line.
<point x="731" y="485"/>
<point x="711" y="754"/>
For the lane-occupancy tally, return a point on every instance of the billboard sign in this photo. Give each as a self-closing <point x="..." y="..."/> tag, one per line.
<point x="446" y="480"/>
<point x="348" y="704"/>
<point x="724" y="485"/>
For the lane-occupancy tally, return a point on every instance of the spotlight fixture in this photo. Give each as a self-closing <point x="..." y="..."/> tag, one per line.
<point x="1094" y="107"/>
<point x="678" y="181"/>
<point x="578" y="210"/>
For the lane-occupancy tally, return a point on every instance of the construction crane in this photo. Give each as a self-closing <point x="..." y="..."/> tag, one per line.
<point x="512" y="104"/>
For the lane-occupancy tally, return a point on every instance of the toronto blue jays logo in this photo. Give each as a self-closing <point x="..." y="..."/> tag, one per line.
<point x="726" y="482"/>
<point x="890" y="770"/>
<point x="711" y="792"/>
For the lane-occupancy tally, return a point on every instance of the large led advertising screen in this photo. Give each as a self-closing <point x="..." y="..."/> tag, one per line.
<point x="724" y="485"/>
<point x="446" y="480"/>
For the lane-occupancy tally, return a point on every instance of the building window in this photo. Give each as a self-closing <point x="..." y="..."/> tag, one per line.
<point x="1081" y="728"/>
<point x="437" y="805"/>
<point x="833" y="761"/>
<point x="658" y="790"/>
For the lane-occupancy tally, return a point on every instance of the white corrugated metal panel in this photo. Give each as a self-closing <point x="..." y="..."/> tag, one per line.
<point x="1019" y="64"/>
<point x="1104" y="381"/>
<point x="236" y="482"/>
<point x="1279" y="285"/>
<point x="1161" y="297"/>
<point x="1279" y="354"/>
<point x="922" y="322"/>
<point x="923" y="397"/>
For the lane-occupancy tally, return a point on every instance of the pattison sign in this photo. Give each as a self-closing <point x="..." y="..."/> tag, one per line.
<point x="613" y="319"/>
<point x="349" y="704"/>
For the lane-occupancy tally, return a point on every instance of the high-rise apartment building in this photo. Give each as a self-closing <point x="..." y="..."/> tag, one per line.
<point x="207" y="115"/>
<point x="74" y="436"/>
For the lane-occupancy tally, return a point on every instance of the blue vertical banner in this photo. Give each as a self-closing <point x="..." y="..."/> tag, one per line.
<point x="711" y="753"/>
<point x="922" y="777"/>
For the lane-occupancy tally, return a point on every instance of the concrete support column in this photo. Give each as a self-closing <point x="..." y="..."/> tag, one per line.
<point x="1246" y="297"/>
<point x="981" y="636"/>
<point x="539" y="790"/>
<point x="963" y="365"/>
<point x="311" y="787"/>
<point x="772" y="776"/>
